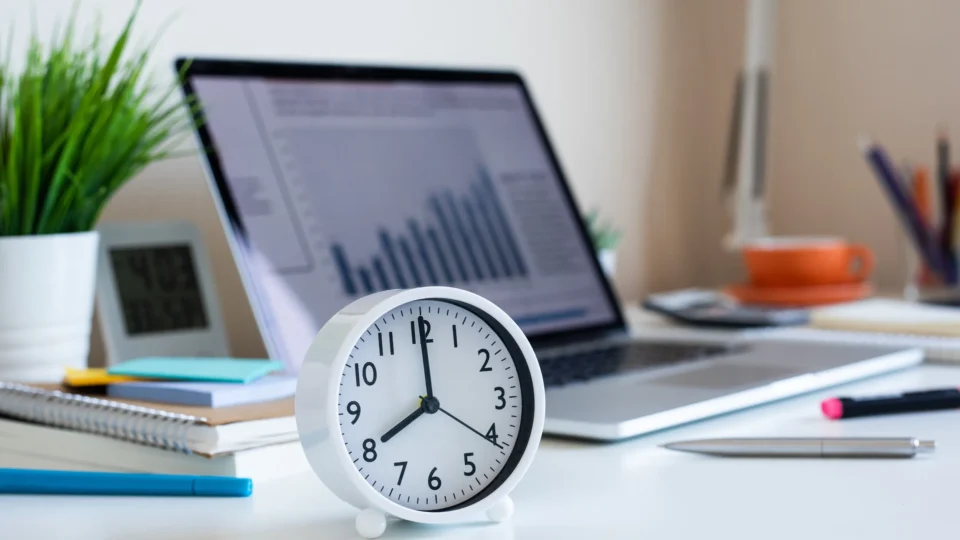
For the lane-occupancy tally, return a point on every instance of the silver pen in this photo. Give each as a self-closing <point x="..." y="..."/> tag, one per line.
<point x="875" y="447"/>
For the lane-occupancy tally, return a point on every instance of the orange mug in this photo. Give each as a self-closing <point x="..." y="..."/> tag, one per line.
<point x="799" y="261"/>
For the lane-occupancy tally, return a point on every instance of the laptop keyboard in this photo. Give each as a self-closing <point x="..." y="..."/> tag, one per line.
<point x="564" y="367"/>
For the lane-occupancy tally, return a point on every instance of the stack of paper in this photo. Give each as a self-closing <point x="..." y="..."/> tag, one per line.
<point x="889" y="316"/>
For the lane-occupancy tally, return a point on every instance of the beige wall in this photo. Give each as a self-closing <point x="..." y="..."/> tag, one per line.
<point x="593" y="68"/>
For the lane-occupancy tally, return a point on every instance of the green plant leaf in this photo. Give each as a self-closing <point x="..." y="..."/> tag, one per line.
<point x="77" y="122"/>
<point x="603" y="236"/>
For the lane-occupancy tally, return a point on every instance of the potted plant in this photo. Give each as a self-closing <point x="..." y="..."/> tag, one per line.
<point x="605" y="239"/>
<point x="77" y="121"/>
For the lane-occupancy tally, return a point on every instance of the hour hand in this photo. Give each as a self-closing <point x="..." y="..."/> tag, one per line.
<point x="403" y="423"/>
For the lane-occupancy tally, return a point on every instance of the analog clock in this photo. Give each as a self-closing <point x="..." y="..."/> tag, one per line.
<point x="425" y="404"/>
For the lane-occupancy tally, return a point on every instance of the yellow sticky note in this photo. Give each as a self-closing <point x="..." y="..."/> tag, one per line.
<point x="94" y="377"/>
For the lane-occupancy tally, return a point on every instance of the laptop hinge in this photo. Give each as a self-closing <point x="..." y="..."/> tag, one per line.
<point x="579" y="338"/>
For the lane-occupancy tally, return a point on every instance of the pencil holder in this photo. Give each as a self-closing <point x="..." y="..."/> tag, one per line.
<point x="922" y="285"/>
<point x="914" y="285"/>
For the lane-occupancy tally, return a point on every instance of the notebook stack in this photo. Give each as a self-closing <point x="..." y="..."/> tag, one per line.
<point x="156" y="417"/>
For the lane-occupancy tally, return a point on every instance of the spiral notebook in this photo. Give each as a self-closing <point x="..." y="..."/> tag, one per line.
<point x="198" y="430"/>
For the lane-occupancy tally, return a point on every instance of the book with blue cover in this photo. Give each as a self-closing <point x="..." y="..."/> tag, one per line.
<point x="206" y="394"/>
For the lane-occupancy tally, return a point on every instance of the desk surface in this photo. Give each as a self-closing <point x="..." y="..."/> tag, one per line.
<point x="631" y="489"/>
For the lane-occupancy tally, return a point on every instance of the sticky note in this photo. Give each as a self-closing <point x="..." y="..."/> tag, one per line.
<point x="235" y="370"/>
<point x="94" y="377"/>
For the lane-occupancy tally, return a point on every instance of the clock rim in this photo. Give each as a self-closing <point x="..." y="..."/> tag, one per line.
<point x="348" y="325"/>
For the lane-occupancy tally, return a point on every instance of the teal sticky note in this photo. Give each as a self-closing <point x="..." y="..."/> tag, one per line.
<point x="235" y="370"/>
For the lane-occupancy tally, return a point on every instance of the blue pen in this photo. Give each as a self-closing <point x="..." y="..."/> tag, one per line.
<point x="43" y="482"/>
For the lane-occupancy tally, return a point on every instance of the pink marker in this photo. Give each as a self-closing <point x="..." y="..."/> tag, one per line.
<point x="925" y="400"/>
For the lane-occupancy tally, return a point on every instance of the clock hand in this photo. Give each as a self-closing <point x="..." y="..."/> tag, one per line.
<point x="444" y="411"/>
<point x="403" y="423"/>
<point x="428" y="405"/>
<point x="421" y="327"/>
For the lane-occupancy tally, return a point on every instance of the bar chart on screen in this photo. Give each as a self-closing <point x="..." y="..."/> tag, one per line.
<point x="458" y="239"/>
<point x="426" y="211"/>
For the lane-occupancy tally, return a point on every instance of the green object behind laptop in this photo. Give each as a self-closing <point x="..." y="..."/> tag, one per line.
<point x="236" y="370"/>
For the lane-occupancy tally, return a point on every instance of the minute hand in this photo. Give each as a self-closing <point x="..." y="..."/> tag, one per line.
<point x="422" y="330"/>
<point x="464" y="424"/>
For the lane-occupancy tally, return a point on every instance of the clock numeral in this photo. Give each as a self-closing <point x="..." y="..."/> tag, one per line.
<point x="403" y="469"/>
<point x="354" y="408"/>
<point x="486" y="360"/>
<point x="369" y="373"/>
<point x="492" y="433"/>
<point x="433" y="481"/>
<point x="369" y="450"/>
<point x="468" y="463"/>
<point x="389" y="342"/>
<point x="454" y="336"/>
<point x="426" y="330"/>
<point x="500" y="397"/>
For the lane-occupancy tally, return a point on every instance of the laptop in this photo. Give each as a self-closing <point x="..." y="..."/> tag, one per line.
<point x="335" y="181"/>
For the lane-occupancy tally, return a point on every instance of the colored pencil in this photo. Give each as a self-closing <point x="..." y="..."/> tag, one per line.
<point x="953" y="226"/>
<point x="943" y="183"/>
<point x="920" y="188"/>
<point x="920" y="195"/>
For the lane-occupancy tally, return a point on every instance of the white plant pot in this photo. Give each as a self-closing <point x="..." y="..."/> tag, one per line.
<point x="46" y="304"/>
<point x="608" y="261"/>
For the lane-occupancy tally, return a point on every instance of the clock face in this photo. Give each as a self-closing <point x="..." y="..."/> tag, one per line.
<point x="431" y="405"/>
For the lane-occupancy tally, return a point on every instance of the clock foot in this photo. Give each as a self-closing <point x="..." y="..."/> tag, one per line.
<point x="371" y="523"/>
<point x="501" y="511"/>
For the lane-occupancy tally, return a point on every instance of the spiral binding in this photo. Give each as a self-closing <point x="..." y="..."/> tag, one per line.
<point x="142" y="425"/>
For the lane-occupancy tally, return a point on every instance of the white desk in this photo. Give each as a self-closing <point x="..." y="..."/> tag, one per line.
<point x="584" y="490"/>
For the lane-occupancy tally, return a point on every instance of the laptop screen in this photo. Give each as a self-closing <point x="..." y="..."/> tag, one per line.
<point x="337" y="188"/>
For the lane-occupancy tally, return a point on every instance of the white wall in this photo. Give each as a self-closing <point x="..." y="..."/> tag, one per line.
<point x="592" y="65"/>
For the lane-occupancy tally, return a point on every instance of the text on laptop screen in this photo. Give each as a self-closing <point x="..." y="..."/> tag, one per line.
<point x="348" y="188"/>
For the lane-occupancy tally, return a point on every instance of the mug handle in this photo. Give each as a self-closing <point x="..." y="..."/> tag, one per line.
<point x="863" y="257"/>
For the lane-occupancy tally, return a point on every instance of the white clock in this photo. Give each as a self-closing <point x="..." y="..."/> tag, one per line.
<point x="425" y="404"/>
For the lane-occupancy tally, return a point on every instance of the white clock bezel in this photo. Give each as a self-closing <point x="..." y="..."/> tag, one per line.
<point x="318" y="391"/>
<point x="119" y="345"/>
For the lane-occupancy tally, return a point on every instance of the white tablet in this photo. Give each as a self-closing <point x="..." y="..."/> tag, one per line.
<point x="155" y="292"/>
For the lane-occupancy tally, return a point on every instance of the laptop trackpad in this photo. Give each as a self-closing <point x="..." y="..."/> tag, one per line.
<point x="721" y="376"/>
